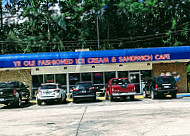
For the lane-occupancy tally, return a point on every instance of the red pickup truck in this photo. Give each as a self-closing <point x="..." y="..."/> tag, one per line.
<point x="119" y="87"/>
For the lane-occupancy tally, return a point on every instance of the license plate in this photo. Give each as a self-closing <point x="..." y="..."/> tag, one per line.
<point x="84" y="91"/>
<point x="46" y="93"/>
<point x="1" y="99"/>
<point x="166" y="86"/>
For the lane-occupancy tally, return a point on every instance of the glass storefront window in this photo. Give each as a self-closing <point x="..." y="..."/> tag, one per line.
<point x="61" y="79"/>
<point x="74" y="78"/>
<point x="86" y="76"/>
<point x="134" y="78"/>
<point x="98" y="78"/>
<point x="37" y="80"/>
<point x="122" y="74"/>
<point x="49" y="78"/>
<point x="108" y="76"/>
<point x="146" y="74"/>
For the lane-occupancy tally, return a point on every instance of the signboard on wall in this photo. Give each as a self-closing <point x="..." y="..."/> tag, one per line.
<point x="94" y="57"/>
<point x="100" y="60"/>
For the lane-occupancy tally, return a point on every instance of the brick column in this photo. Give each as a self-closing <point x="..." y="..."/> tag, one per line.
<point x="179" y="68"/>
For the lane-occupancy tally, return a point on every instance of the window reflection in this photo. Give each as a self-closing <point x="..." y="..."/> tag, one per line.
<point x="86" y="76"/>
<point x="74" y="78"/>
<point x="98" y="78"/>
<point x="108" y="76"/>
<point x="49" y="78"/>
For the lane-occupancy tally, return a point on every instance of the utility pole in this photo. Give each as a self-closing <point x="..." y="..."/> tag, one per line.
<point x="98" y="38"/>
<point x="1" y="13"/>
<point x="1" y="28"/>
<point x="49" y="35"/>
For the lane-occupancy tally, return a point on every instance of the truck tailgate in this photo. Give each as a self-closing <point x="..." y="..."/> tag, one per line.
<point x="123" y="88"/>
<point x="6" y="92"/>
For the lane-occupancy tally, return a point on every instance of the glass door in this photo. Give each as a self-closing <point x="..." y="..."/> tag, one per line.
<point x="134" y="78"/>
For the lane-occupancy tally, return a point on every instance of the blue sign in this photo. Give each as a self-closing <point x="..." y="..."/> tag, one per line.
<point x="95" y="57"/>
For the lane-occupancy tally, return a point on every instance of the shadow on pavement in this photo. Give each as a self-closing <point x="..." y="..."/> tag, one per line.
<point x="53" y="103"/>
<point x="87" y="101"/>
<point x="169" y="98"/>
<point x="125" y="100"/>
<point x="24" y="105"/>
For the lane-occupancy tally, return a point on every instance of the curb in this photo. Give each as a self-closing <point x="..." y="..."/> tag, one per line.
<point x="183" y="95"/>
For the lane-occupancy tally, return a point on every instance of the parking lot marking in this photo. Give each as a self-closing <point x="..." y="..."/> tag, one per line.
<point x="69" y="104"/>
<point x="144" y="100"/>
<point x="78" y="127"/>
<point x="107" y="103"/>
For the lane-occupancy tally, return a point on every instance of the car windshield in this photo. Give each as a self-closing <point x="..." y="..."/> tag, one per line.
<point x="3" y="85"/>
<point x="166" y="79"/>
<point x="8" y="85"/>
<point x="48" y="87"/>
<point x="119" y="81"/>
<point x="83" y="86"/>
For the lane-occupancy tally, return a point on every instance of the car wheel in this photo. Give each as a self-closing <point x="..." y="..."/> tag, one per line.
<point x="39" y="102"/>
<point x="106" y="96"/>
<point x="110" y="98"/>
<point x="94" y="99"/>
<point x="161" y="96"/>
<point x="17" y="103"/>
<point x="153" y="95"/>
<point x="27" y="101"/>
<point x="74" y="100"/>
<point x="60" y="101"/>
<point x="144" y="94"/>
<point x="174" y="95"/>
<point x="132" y="97"/>
<point x="65" y="99"/>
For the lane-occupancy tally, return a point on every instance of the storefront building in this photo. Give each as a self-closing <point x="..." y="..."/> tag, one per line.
<point x="67" y="68"/>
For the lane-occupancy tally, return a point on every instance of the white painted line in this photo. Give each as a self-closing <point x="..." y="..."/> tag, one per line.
<point x="145" y="101"/>
<point x="69" y="104"/>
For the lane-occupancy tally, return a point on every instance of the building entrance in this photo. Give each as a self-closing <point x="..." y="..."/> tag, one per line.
<point x="135" y="78"/>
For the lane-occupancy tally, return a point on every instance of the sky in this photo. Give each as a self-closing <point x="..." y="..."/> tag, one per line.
<point x="5" y="1"/>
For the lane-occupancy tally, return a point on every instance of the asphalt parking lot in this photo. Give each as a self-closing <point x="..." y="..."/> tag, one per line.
<point x="141" y="117"/>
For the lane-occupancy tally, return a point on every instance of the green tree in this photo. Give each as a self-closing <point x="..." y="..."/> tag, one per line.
<point x="122" y="24"/>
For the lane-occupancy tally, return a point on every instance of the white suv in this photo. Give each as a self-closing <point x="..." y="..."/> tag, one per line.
<point x="51" y="92"/>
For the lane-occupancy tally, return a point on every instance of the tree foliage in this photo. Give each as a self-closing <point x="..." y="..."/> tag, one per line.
<point x="51" y="25"/>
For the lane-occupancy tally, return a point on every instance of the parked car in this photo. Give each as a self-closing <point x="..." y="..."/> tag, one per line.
<point x="13" y="93"/>
<point x="160" y="86"/>
<point x="84" y="90"/>
<point x="51" y="92"/>
<point x="119" y="87"/>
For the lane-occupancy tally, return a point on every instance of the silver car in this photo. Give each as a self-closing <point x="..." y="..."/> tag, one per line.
<point x="51" y="92"/>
